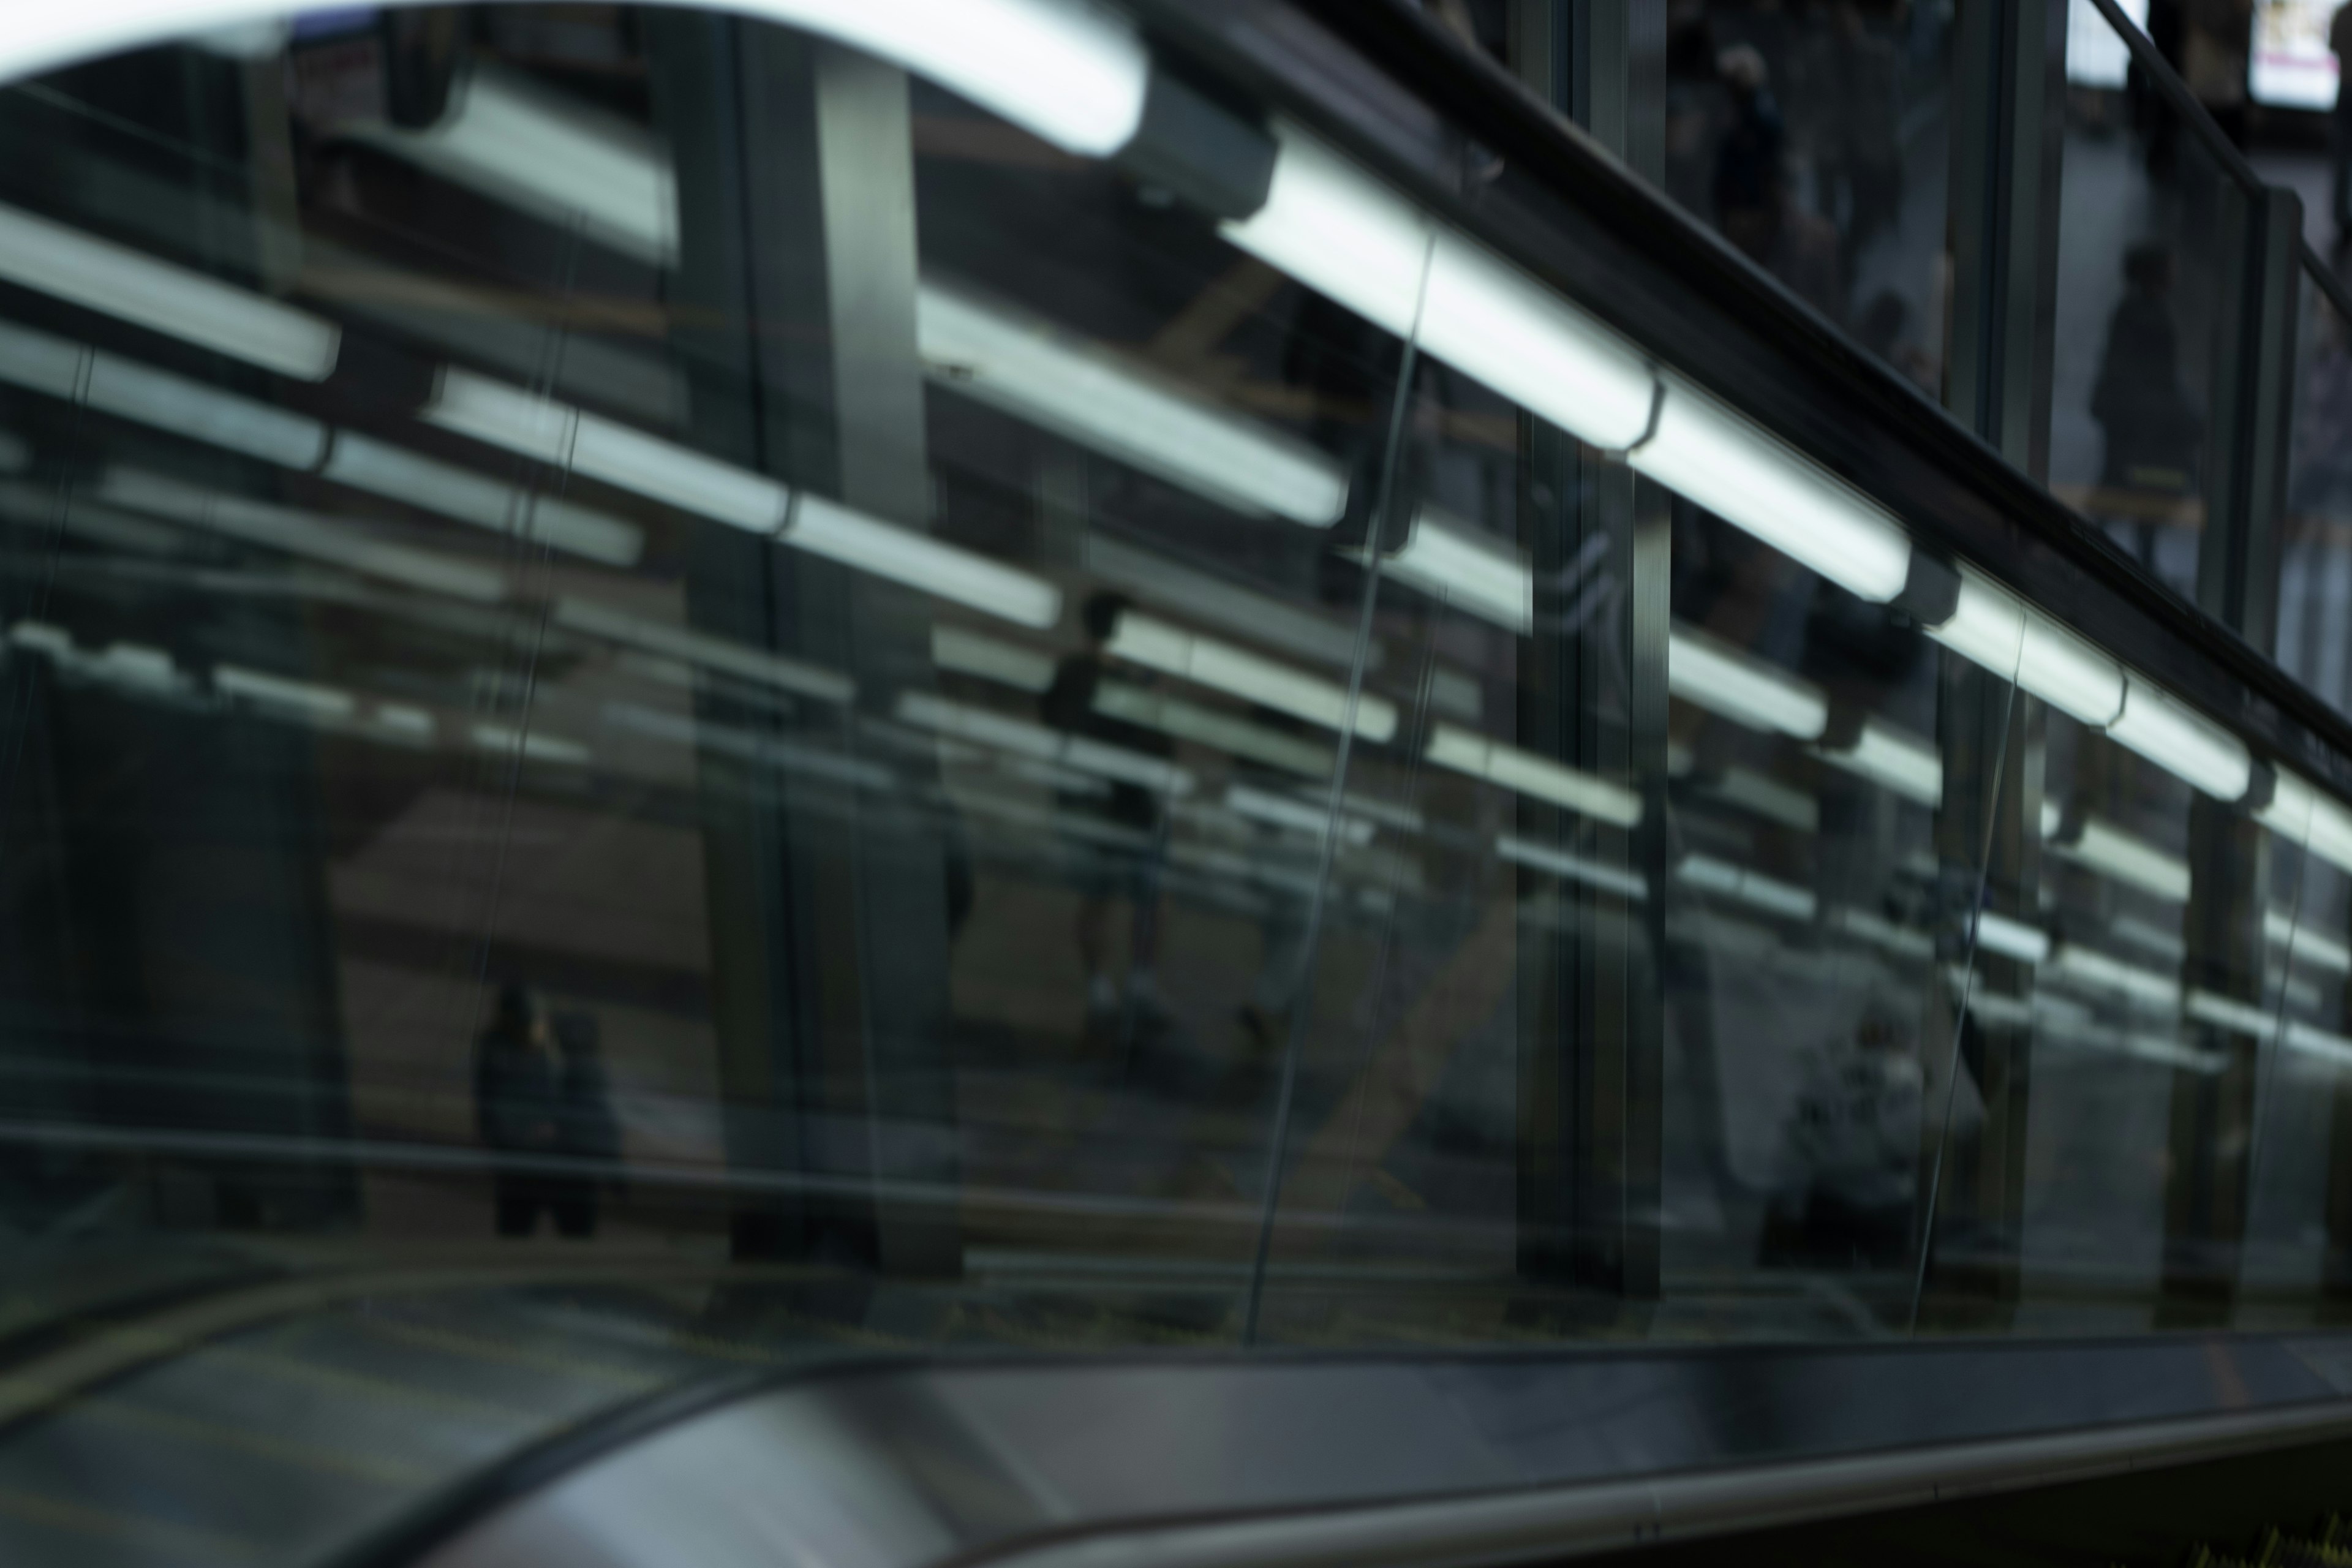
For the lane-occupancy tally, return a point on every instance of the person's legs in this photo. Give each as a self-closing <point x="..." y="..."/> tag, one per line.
<point x="1143" y="938"/>
<point x="1093" y="929"/>
<point x="517" y="1200"/>
<point x="573" y="1205"/>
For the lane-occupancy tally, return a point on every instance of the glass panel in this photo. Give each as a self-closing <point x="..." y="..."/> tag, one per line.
<point x="1817" y="140"/>
<point x="2315" y="547"/>
<point x="2148" y="293"/>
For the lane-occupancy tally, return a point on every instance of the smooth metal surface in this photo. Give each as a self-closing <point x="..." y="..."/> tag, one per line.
<point x="1475" y="1458"/>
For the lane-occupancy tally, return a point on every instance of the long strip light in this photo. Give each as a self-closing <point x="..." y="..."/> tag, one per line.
<point x="1752" y="888"/>
<point x="968" y="722"/>
<point x="1574" y="868"/>
<point x="567" y="438"/>
<point x="540" y="153"/>
<point x="1206" y="726"/>
<point x="1334" y="227"/>
<point x="1702" y="669"/>
<point x="118" y="281"/>
<point x="1448" y="560"/>
<point x="2011" y="938"/>
<point x="2088" y="966"/>
<point x="283" y="693"/>
<point x="966" y="652"/>
<point x="700" y="648"/>
<point x="2304" y="816"/>
<point x="2127" y="857"/>
<point x="1769" y="798"/>
<point x="1466" y="752"/>
<point x="1902" y="762"/>
<point x="1287" y="810"/>
<point x="1069" y="71"/>
<point x="398" y="474"/>
<point x="1156" y="645"/>
<point x="2307" y="945"/>
<point x="2185" y="742"/>
<point x="294" y="532"/>
<point x="1715" y="456"/>
<point x="1090" y="396"/>
<point x="1993" y="628"/>
<point x="946" y="570"/>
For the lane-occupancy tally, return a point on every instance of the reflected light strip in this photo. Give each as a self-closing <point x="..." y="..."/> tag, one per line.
<point x="917" y="561"/>
<point x="2011" y="938"/>
<point x="1191" y="721"/>
<point x="363" y="463"/>
<point x="566" y="437"/>
<point x="969" y="653"/>
<point x="1454" y="563"/>
<point x="521" y="145"/>
<point x="1156" y="645"/>
<point x="130" y="286"/>
<point x="2306" y="946"/>
<point x="2314" y="1041"/>
<point x="1707" y="451"/>
<point x="2229" y="1013"/>
<point x="1093" y="396"/>
<point x="2309" y="819"/>
<point x="2127" y="980"/>
<point x="1754" y="887"/>
<point x="1071" y="72"/>
<point x="1574" y="868"/>
<point x="1284" y="811"/>
<point x="1903" y="762"/>
<point x="532" y="745"/>
<point x="279" y="691"/>
<point x="969" y="721"/>
<point x="1535" y="777"/>
<point x="1904" y="942"/>
<point x="301" y="534"/>
<point x="2128" y="859"/>
<point x="1703" y="670"/>
<point x="1768" y="798"/>
<point x="2184" y="742"/>
<point x="1334" y="227"/>
<point x="712" y="653"/>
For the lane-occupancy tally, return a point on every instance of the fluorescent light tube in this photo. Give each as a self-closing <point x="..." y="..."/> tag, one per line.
<point x="1284" y="811"/>
<point x="2011" y="938"/>
<point x="1068" y="71"/>
<point x="1754" y="887"/>
<point x="2305" y="817"/>
<point x="944" y="570"/>
<point x="1207" y="727"/>
<point x="2183" y="741"/>
<point x="566" y="437"/>
<point x="1574" y="868"/>
<point x="1493" y="321"/>
<point x="2312" y="1040"/>
<point x="1535" y="777"/>
<point x="1902" y="762"/>
<point x="301" y="534"/>
<point x="968" y="722"/>
<point x="279" y="692"/>
<point x="1703" y="670"/>
<point x="1716" y="456"/>
<point x="2306" y="946"/>
<point x="129" y="286"/>
<point x="2128" y="859"/>
<point x="1992" y="628"/>
<point x="1904" y="941"/>
<point x="1341" y="232"/>
<point x="1454" y="563"/>
<point x="2229" y="1013"/>
<point x="1284" y="627"/>
<point x="1084" y="391"/>
<point x="397" y="474"/>
<point x="719" y="654"/>
<point x="191" y="408"/>
<point x="532" y="746"/>
<point x="2090" y="967"/>
<point x="1140" y="639"/>
<point x="969" y="653"/>
<point x="514" y="141"/>
<point x="1751" y="790"/>
<point x="2148" y="937"/>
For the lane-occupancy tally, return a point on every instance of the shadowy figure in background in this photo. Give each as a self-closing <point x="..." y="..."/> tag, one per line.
<point x="2339" y="128"/>
<point x="2152" y="428"/>
<point x="588" y="1128"/>
<point x="1752" y="205"/>
<point x="518" y="1105"/>
<point x="1113" y="834"/>
<point x="1852" y="1144"/>
<point x="1856" y="82"/>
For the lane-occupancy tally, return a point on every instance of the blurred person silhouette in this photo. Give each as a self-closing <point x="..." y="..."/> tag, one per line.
<point x="2153" y="430"/>
<point x="2217" y="36"/>
<point x="2339" y="125"/>
<point x="2320" y="472"/>
<point x="1752" y="205"/>
<point x="1852" y="82"/>
<point x="1114" y="833"/>
<point x="1852" y="1146"/>
<point x="519" y="1107"/>
<point x="587" y="1129"/>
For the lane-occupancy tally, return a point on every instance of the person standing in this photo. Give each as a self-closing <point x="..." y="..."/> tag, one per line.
<point x="519" y="1107"/>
